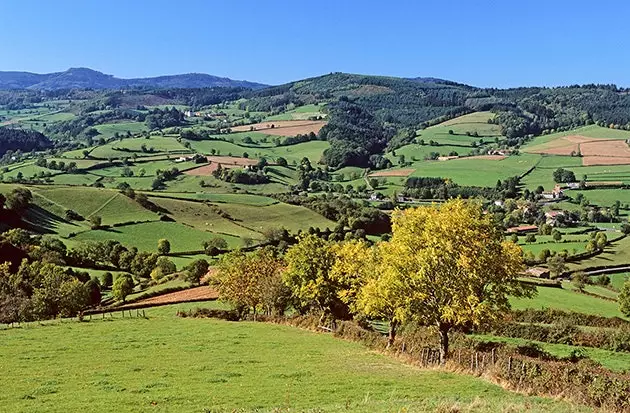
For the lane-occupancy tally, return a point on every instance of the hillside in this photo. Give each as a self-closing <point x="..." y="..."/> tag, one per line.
<point x="83" y="78"/>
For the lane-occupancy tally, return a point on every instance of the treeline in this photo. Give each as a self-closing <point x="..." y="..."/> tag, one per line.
<point x="439" y="188"/>
<point x="240" y="176"/>
<point x="12" y="139"/>
<point x="345" y="211"/>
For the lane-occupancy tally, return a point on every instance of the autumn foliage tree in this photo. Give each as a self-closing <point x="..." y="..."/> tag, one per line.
<point x="251" y="282"/>
<point x="446" y="266"/>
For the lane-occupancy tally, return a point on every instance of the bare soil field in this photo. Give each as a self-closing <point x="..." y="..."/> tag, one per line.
<point x="283" y="127"/>
<point x="594" y="151"/>
<point x="224" y="161"/>
<point x="192" y="294"/>
<point x="605" y="160"/>
<point x="399" y="172"/>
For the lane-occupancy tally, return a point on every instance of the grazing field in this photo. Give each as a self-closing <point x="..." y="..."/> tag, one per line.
<point x="392" y="172"/>
<point x="204" y="217"/>
<point x="291" y="217"/>
<point x="246" y="199"/>
<point x="208" y="365"/>
<point x="283" y="127"/>
<point x="111" y="206"/>
<point x="292" y="153"/>
<point x="146" y="236"/>
<point x="300" y="113"/>
<point x="568" y="300"/>
<point x="613" y="360"/>
<point x="487" y="171"/>
<point x="224" y="161"/>
<point x="127" y="147"/>
<point x="108" y="130"/>
<point x="616" y="253"/>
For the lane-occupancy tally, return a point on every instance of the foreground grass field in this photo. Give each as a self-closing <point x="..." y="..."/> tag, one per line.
<point x="192" y="365"/>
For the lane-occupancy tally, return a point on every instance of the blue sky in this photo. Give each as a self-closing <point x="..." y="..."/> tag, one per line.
<point x="483" y="43"/>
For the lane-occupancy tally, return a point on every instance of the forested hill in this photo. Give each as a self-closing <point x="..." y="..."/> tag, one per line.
<point x="420" y="102"/>
<point x="82" y="78"/>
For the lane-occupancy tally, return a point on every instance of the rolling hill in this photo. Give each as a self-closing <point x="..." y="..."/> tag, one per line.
<point x="84" y="78"/>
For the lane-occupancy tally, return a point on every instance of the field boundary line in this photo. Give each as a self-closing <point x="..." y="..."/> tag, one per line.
<point x="104" y="205"/>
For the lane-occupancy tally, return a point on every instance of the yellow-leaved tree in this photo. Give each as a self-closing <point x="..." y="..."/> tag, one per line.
<point x="251" y="282"/>
<point x="445" y="266"/>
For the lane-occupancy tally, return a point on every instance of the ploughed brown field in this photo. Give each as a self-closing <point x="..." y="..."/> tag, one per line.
<point x="594" y="151"/>
<point x="397" y="172"/>
<point x="283" y="127"/>
<point x="224" y="161"/>
<point x="487" y="157"/>
<point x="192" y="294"/>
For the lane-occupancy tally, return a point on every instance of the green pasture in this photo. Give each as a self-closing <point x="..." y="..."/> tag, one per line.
<point x="146" y="236"/>
<point x="293" y="153"/>
<point x="613" y="360"/>
<point x="111" y="206"/>
<point x="246" y="199"/>
<point x="166" y="363"/>
<point x="291" y="217"/>
<point x="616" y="253"/>
<point x="204" y="217"/>
<point x="568" y="300"/>
<point x="486" y="171"/>
<point x="108" y="130"/>
<point x="160" y="145"/>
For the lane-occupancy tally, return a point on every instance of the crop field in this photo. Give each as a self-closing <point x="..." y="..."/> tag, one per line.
<point x="210" y="365"/>
<point x="283" y="127"/>
<point x="146" y="236"/>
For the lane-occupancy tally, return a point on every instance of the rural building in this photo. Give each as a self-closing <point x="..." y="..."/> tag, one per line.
<point x="522" y="229"/>
<point x="557" y="193"/>
<point x="538" y="272"/>
<point x="552" y="217"/>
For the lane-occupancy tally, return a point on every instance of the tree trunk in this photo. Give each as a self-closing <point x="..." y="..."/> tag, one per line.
<point x="443" y="328"/>
<point x="391" y="336"/>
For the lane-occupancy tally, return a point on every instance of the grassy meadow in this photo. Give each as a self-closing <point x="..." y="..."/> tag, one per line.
<point x="166" y="363"/>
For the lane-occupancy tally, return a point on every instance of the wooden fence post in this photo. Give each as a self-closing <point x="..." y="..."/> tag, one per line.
<point x="476" y="361"/>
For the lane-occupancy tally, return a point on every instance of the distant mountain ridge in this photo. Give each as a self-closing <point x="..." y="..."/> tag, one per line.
<point x="84" y="78"/>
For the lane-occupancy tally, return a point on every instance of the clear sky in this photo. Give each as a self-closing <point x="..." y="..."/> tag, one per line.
<point x="480" y="42"/>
